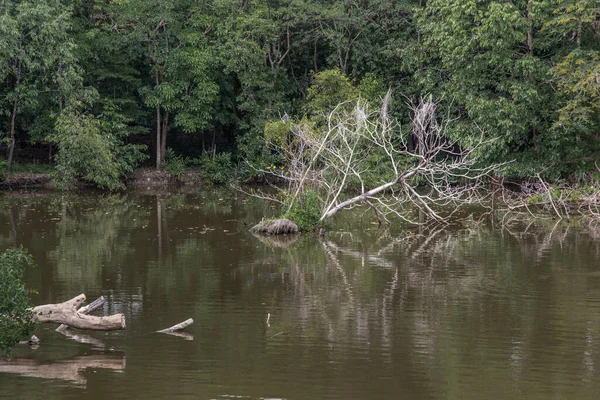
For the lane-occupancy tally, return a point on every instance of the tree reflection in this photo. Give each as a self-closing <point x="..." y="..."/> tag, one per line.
<point x="515" y="302"/>
<point x="455" y="297"/>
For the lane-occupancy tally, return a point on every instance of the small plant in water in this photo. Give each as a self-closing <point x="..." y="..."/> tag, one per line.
<point x="306" y="211"/>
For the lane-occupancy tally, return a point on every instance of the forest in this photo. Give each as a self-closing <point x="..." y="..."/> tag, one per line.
<point x="94" y="89"/>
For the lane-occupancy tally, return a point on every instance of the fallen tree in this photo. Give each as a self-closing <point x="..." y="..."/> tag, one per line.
<point x="67" y="313"/>
<point x="364" y="157"/>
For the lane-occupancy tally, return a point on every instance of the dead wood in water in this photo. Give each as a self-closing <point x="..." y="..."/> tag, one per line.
<point x="280" y="226"/>
<point x="67" y="313"/>
<point x="85" y="310"/>
<point x="178" y="327"/>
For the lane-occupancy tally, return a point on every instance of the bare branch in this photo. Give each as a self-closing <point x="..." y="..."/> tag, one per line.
<point x="422" y="168"/>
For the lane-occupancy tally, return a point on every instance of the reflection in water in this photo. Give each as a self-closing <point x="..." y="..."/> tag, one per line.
<point x="184" y="335"/>
<point x="282" y="241"/>
<point x="65" y="370"/>
<point x="82" y="338"/>
<point x="362" y="313"/>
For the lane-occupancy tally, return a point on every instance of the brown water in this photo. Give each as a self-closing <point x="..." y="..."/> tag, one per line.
<point x="467" y="312"/>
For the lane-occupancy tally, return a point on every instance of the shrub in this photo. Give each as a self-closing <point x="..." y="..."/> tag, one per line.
<point x="15" y="314"/>
<point x="174" y="164"/>
<point x="92" y="148"/>
<point x="306" y="211"/>
<point x="218" y="169"/>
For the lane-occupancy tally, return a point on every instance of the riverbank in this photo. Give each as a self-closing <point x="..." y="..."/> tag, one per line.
<point x="527" y="197"/>
<point x="147" y="178"/>
<point x="27" y="180"/>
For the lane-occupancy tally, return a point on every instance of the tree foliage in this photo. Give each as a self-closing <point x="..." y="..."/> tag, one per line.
<point x="91" y="148"/>
<point x="210" y="77"/>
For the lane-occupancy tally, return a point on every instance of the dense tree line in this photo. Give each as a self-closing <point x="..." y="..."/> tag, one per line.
<point x="97" y="87"/>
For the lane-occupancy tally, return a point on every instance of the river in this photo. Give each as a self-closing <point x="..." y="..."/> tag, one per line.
<point x="475" y="310"/>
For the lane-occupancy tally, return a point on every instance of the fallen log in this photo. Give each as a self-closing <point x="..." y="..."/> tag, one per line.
<point x="66" y="313"/>
<point x="85" y="310"/>
<point x="178" y="327"/>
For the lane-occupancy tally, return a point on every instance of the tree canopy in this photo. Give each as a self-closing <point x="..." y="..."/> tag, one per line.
<point x="135" y="77"/>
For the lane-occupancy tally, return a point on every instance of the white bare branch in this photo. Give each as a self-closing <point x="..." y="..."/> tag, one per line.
<point x="419" y="169"/>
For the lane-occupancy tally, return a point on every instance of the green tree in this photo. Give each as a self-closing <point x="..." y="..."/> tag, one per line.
<point x="35" y="58"/>
<point x="92" y="148"/>
<point x="573" y="139"/>
<point x="15" y="314"/>
<point x="482" y="57"/>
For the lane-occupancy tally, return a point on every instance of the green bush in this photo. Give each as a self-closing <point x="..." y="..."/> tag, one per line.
<point x="306" y="211"/>
<point x="218" y="169"/>
<point x="92" y="148"/>
<point x="15" y="314"/>
<point x="174" y="164"/>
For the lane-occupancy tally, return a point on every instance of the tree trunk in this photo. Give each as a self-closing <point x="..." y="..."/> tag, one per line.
<point x="530" y="29"/>
<point x="11" y="148"/>
<point x="67" y="313"/>
<point x="158" y="139"/>
<point x="163" y="139"/>
<point x="214" y="146"/>
<point x="13" y="121"/>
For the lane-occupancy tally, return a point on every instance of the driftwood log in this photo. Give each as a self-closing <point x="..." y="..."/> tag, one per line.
<point x="85" y="310"/>
<point x="67" y="313"/>
<point x="178" y="327"/>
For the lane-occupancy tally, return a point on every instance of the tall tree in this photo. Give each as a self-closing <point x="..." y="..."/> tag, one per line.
<point x="477" y="55"/>
<point x="574" y="138"/>
<point x="35" y="58"/>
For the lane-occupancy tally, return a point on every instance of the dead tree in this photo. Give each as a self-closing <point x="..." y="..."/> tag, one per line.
<point x="434" y="176"/>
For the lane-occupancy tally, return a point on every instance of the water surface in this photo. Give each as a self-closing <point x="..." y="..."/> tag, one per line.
<point x="470" y="311"/>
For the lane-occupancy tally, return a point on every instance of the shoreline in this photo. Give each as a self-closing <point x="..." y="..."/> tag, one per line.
<point x="147" y="178"/>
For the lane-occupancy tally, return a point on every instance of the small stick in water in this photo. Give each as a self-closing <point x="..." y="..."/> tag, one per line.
<point x="180" y="326"/>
